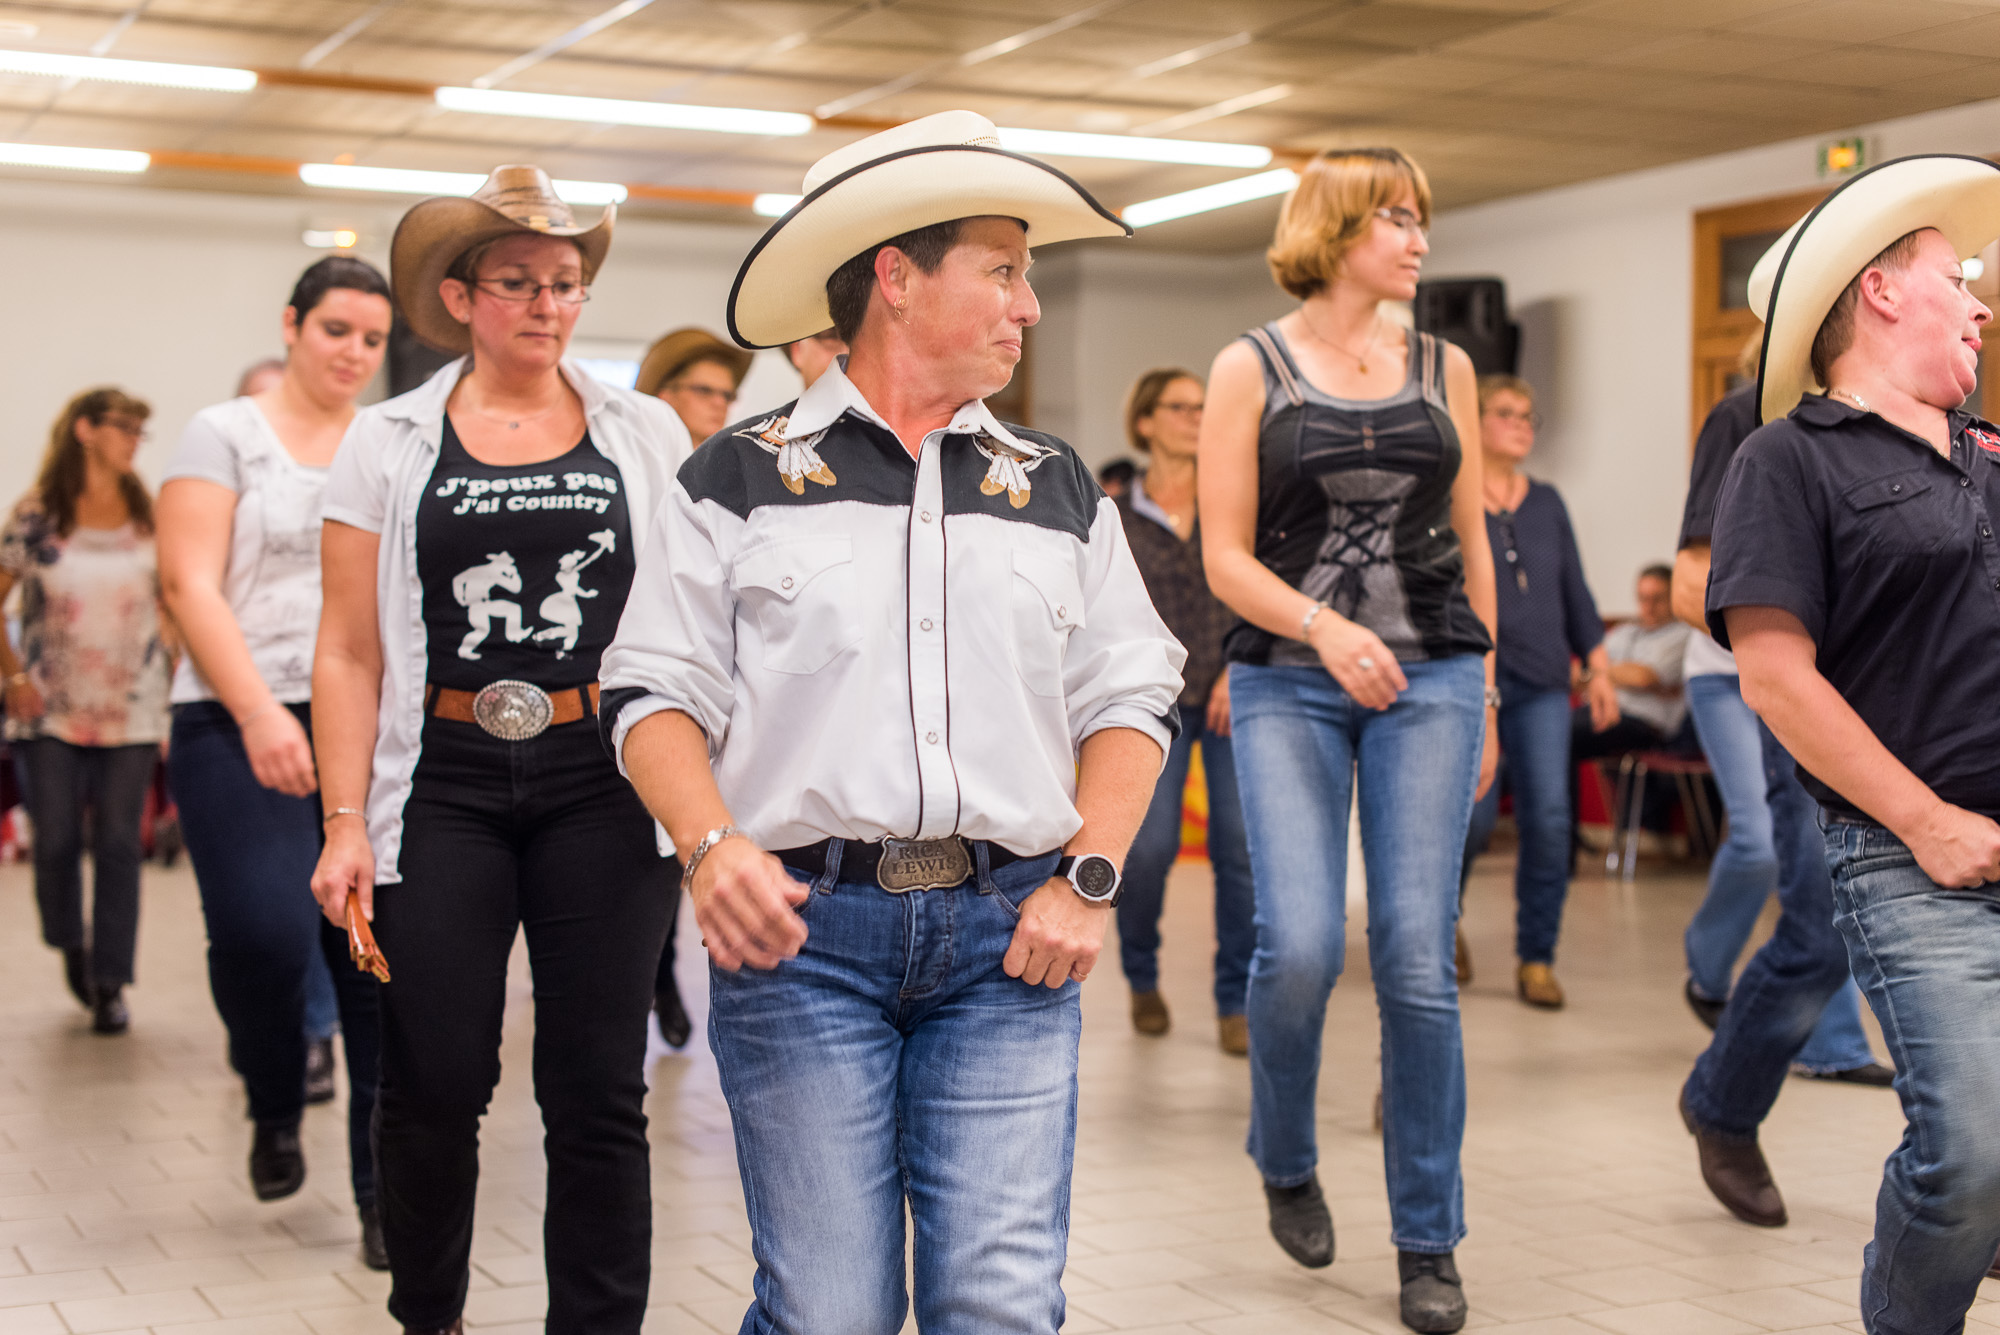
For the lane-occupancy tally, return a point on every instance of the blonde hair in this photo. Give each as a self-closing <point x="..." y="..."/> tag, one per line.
<point x="1499" y="382"/>
<point x="1332" y="207"/>
<point x="1144" y="398"/>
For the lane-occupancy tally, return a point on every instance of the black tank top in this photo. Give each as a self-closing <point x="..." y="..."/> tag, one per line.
<point x="1354" y="509"/>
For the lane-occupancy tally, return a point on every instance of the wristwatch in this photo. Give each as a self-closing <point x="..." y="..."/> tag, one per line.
<point x="1093" y="876"/>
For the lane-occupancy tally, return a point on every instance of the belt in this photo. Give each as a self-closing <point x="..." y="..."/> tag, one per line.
<point x="513" y="711"/>
<point x="899" y="865"/>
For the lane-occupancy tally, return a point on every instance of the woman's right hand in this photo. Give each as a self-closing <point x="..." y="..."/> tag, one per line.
<point x="23" y="700"/>
<point x="1358" y="660"/>
<point x="346" y="867"/>
<point x="280" y="753"/>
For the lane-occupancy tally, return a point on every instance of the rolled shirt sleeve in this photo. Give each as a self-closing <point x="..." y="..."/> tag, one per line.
<point x="1122" y="667"/>
<point x="1768" y="541"/>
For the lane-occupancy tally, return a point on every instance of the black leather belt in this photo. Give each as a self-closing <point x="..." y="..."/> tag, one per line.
<point x="863" y="862"/>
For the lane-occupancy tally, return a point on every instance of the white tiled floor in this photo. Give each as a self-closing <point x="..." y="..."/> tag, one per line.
<point x="123" y="1205"/>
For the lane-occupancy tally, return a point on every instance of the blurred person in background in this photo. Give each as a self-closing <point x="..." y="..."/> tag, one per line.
<point x="811" y="356"/>
<point x="87" y="689"/>
<point x="1116" y="477"/>
<point x="1163" y="422"/>
<point x="1547" y="618"/>
<point x="239" y="566"/>
<point x="260" y="376"/>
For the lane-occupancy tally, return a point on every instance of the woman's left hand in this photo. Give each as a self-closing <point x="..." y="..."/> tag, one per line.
<point x="1218" y="705"/>
<point x="1489" y="754"/>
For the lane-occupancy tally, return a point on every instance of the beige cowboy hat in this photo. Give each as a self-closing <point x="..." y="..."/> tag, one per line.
<point x="1799" y="278"/>
<point x="928" y="171"/>
<point x="676" y="351"/>
<point x="437" y="231"/>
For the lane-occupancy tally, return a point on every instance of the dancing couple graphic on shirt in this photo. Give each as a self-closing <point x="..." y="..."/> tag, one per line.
<point x="473" y="588"/>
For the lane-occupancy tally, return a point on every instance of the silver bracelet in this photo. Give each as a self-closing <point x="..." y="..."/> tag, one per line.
<point x="1305" y="626"/>
<point x="703" y="849"/>
<point x="343" y="811"/>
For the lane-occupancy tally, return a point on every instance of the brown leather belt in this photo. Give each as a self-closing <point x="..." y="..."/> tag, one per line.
<point x="566" y="706"/>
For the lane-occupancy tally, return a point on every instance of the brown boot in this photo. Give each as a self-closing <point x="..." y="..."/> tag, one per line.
<point x="1462" y="957"/>
<point x="1538" y="987"/>
<point x="1737" y="1174"/>
<point x="1233" y="1033"/>
<point x="1149" y="1013"/>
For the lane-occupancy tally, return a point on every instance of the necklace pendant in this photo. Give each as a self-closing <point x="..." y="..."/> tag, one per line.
<point x="1363" y="367"/>
<point x="513" y="426"/>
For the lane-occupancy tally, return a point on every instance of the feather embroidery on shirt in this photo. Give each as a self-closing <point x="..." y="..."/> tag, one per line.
<point x="1985" y="440"/>
<point x="797" y="459"/>
<point x="1007" y="469"/>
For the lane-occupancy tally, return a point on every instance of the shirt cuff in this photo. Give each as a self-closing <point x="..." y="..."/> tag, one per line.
<point x="629" y="716"/>
<point x="1163" y="729"/>
<point x="1761" y="591"/>
<point x="340" y="514"/>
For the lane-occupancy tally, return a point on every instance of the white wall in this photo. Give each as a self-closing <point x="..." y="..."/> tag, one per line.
<point x="1603" y="273"/>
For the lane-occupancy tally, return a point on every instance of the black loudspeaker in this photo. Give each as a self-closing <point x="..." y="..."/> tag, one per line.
<point x="1471" y="312"/>
<point x="411" y="360"/>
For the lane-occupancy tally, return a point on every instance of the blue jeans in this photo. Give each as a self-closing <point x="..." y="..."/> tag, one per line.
<point x="1928" y="959"/>
<point x="1761" y="799"/>
<point x="1152" y="857"/>
<point x="1535" y="765"/>
<point x="893" y="1061"/>
<point x="1302" y="749"/>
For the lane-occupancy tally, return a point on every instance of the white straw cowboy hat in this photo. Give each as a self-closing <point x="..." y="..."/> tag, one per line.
<point x="1799" y="278"/>
<point x="437" y="231"/>
<point x="929" y="171"/>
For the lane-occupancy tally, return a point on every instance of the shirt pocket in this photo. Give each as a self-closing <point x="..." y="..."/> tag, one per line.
<point x="1047" y="605"/>
<point x="801" y="593"/>
<point x="1900" y="514"/>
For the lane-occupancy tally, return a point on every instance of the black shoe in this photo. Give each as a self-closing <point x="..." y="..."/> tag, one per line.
<point x="374" y="1251"/>
<point x="277" y="1167"/>
<point x="1708" y="1012"/>
<point x="1874" y="1074"/>
<point x="1433" y="1298"/>
<point x="110" y="1015"/>
<point x="76" y="972"/>
<point x="319" y="1071"/>
<point x="674" y="1024"/>
<point x="1301" y="1222"/>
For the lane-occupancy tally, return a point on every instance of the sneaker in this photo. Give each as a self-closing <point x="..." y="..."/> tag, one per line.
<point x="1149" y="1013"/>
<point x="277" y="1164"/>
<point x="319" y="1071"/>
<point x="1538" y="987"/>
<point x="1233" y="1034"/>
<point x="1433" y="1298"/>
<point x="1301" y="1223"/>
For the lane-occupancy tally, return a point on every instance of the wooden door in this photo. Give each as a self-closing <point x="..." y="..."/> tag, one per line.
<point x="1727" y="244"/>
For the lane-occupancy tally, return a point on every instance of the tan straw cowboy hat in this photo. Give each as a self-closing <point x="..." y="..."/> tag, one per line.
<point x="1794" y="285"/>
<point x="932" y="170"/>
<point x="437" y="231"/>
<point x="676" y="351"/>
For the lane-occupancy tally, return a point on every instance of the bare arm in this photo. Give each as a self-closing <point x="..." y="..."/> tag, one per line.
<point x="1777" y="661"/>
<point x="1598" y="692"/>
<point x="1468" y="520"/>
<point x="194" y="522"/>
<point x="23" y="700"/>
<point x="347" y="691"/>
<point x="1690" y="586"/>
<point x="1636" y="677"/>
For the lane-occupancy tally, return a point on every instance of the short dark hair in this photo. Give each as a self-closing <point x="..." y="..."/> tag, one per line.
<point x="1118" y="471"/>
<point x="1836" y="332"/>
<point x="335" y="271"/>
<point x="848" y="290"/>
<point x="1663" y="573"/>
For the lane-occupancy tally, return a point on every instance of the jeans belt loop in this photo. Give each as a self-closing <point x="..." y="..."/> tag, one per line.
<point x="829" y="875"/>
<point x="982" y="865"/>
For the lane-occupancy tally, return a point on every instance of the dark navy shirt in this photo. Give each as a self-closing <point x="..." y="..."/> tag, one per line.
<point x="1546" y="611"/>
<point x="1885" y="551"/>
<point x="1728" y="424"/>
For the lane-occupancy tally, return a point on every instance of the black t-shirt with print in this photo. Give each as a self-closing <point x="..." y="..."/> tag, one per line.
<point x="525" y="569"/>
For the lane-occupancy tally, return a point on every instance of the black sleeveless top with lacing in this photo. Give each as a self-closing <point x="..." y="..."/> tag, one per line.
<point x="1354" y="509"/>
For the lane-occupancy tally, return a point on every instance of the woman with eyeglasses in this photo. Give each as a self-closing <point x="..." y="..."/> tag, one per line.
<point x="1547" y="617"/>
<point x="87" y="690"/>
<point x="1339" y="486"/>
<point x="477" y="553"/>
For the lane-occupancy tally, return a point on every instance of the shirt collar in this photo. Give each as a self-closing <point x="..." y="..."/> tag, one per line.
<point x="1823" y="410"/>
<point x="425" y="405"/>
<point x="833" y="395"/>
<point x="1143" y="504"/>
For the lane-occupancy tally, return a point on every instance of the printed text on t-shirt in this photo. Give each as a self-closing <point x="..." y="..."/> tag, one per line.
<point x="483" y="496"/>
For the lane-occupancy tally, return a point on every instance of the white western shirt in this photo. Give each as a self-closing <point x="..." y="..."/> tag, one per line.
<point x="377" y="480"/>
<point x="880" y="646"/>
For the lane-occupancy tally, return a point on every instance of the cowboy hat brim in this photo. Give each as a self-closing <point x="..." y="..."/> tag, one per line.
<point x="1796" y="282"/>
<point x="671" y="354"/>
<point x="437" y="231"/>
<point x="780" y="292"/>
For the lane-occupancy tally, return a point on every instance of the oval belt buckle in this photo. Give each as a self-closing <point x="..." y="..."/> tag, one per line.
<point x="513" y="711"/>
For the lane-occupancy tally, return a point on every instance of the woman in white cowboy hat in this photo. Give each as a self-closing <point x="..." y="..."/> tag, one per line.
<point x="892" y="683"/>
<point x="465" y="794"/>
<point x="1854" y="574"/>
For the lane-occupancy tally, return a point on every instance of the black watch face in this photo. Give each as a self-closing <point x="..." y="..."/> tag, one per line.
<point x="1093" y="877"/>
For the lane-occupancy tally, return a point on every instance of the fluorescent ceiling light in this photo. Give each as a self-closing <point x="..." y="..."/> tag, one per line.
<point x="213" y="78"/>
<point x="340" y="238"/>
<point x="1241" y="190"/>
<point x="76" y="159"/>
<point x="774" y="206"/>
<point x="620" y="111"/>
<point x="1132" y="148"/>
<point x="397" y="180"/>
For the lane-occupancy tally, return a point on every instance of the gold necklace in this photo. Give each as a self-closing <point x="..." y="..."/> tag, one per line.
<point x="1361" y="362"/>
<point x="1852" y="398"/>
<point x="514" y="424"/>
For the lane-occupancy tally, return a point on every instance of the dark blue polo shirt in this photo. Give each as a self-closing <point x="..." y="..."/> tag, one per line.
<point x="1884" y="549"/>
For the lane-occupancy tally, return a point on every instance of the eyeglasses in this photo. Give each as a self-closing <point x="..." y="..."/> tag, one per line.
<point x="1409" y="223"/>
<point x="126" y="426"/>
<point x="1187" y="409"/>
<point x="563" y="290"/>
<point x="1509" y="415"/>
<point x="725" y="396"/>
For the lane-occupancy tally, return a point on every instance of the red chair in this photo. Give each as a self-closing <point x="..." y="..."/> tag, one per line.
<point x="1689" y="772"/>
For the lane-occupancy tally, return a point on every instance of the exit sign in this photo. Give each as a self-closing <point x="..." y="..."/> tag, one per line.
<point x="1840" y="157"/>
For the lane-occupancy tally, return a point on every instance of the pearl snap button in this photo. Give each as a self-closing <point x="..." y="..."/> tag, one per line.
<point x="931" y="737"/>
<point x="926" y="623"/>
<point x="786" y="582"/>
<point x="926" y="516"/>
<point x="1895" y="486"/>
<point x="1062" y="611"/>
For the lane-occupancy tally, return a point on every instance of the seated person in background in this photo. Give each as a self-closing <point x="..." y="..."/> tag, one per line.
<point x="1652" y="708"/>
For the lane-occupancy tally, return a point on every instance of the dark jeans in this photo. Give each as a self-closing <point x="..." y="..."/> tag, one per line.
<point x="63" y="782"/>
<point x="1535" y="766"/>
<point x="253" y="850"/>
<point x="1779" y="997"/>
<point x="1152" y="857"/>
<point x="542" y="835"/>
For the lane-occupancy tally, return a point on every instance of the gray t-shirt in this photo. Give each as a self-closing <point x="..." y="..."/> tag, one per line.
<point x="1662" y="650"/>
<point x="272" y="579"/>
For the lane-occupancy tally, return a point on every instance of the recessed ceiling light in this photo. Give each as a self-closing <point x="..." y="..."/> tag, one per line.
<point x="399" y="181"/>
<point x="1133" y="148"/>
<point x="1239" y="191"/>
<point x="339" y="238"/>
<point x="622" y="111"/>
<point x="210" y="78"/>
<point x="774" y="206"/>
<point x="74" y="159"/>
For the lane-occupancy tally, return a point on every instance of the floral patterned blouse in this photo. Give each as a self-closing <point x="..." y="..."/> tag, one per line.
<point x="90" y="630"/>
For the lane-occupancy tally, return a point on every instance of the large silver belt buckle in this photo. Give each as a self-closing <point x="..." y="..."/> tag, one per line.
<point x="923" y="864"/>
<point x="513" y="711"/>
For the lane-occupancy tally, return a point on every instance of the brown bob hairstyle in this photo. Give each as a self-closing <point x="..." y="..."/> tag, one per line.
<point x="62" y="476"/>
<point x="1144" y="398"/>
<point x="1332" y="207"/>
